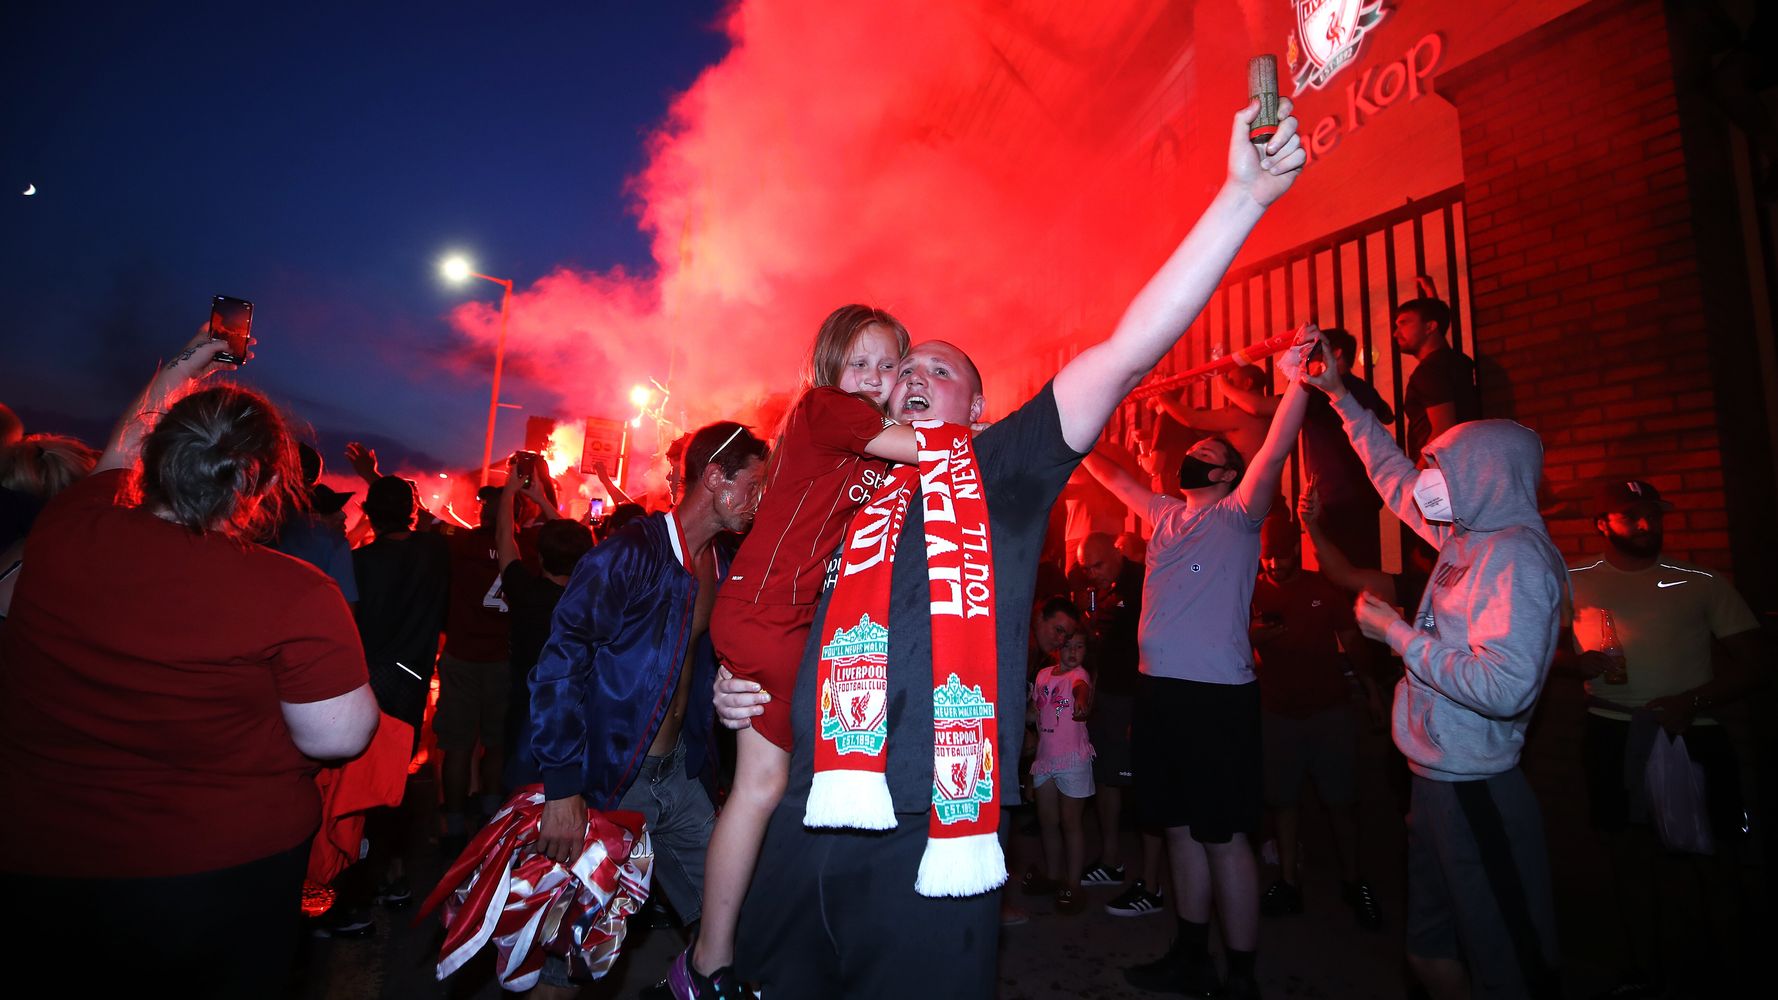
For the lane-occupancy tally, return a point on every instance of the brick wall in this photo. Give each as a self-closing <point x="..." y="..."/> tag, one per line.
<point x="1585" y="289"/>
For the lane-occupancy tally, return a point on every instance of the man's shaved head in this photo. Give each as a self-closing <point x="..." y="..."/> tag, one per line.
<point x="1100" y="558"/>
<point x="937" y="381"/>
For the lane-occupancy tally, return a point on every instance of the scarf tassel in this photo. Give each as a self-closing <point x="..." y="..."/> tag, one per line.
<point x="857" y="800"/>
<point x="961" y="866"/>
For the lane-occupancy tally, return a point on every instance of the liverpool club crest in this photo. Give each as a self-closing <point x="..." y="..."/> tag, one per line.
<point x="1327" y="37"/>
<point x="962" y="755"/>
<point x="855" y="699"/>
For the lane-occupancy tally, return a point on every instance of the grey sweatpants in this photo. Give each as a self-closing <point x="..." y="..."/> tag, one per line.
<point x="1479" y="883"/>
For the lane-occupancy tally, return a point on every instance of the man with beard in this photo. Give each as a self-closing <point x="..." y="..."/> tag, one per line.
<point x="1665" y="614"/>
<point x="1441" y="392"/>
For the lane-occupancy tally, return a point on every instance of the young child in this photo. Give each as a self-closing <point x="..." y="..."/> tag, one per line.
<point x="1062" y="774"/>
<point x="833" y="450"/>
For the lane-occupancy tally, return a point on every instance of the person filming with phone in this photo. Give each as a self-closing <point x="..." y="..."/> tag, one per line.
<point x="170" y="688"/>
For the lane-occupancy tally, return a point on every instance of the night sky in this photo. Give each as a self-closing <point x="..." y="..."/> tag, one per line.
<point x="320" y="163"/>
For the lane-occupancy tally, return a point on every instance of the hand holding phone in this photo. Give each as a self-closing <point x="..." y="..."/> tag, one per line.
<point x="231" y="320"/>
<point x="522" y="465"/>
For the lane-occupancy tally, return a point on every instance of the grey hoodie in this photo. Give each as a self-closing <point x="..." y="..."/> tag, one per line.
<point x="1486" y="629"/>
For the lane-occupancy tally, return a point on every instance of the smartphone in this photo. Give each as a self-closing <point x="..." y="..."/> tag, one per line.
<point x="231" y="319"/>
<point x="595" y="509"/>
<point x="521" y="464"/>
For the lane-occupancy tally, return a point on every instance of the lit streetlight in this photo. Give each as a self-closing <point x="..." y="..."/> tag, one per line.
<point x="457" y="270"/>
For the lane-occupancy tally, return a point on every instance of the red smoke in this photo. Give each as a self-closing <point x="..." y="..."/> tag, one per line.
<point x="999" y="178"/>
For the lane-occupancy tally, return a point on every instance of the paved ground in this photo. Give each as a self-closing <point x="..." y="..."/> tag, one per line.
<point x="1319" y="954"/>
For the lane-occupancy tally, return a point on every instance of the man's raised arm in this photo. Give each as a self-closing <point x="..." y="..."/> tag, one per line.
<point x="1260" y="484"/>
<point x="1127" y="488"/>
<point x="1090" y="387"/>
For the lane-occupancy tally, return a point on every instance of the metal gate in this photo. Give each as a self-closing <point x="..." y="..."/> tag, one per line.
<point x="1351" y="278"/>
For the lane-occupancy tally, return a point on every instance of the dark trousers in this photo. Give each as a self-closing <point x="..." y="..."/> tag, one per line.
<point x="232" y="932"/>
<point x="834" y="914"/>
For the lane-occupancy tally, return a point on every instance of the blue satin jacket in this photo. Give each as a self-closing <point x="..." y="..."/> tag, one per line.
<point x="607" y="675"/>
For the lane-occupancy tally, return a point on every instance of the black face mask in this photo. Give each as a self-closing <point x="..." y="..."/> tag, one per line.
<point x="1194" y="473"/>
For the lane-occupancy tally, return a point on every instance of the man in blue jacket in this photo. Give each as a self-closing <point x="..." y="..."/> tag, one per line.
<point x="620" y="696"/>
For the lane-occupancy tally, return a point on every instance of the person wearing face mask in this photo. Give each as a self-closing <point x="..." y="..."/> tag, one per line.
<point x="1665" y="614"/>
<point x="1195" y="730"/>
<point x="1480" y="916"/>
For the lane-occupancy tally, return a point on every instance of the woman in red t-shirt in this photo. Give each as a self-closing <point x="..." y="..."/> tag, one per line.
<point x="832" y="452"/>
<point x="168" y="686"/>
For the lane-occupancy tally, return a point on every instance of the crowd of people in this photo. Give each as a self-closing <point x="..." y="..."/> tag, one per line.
<point x="914" y="623"/>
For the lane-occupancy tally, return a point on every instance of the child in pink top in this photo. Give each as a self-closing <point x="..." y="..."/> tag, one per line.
<point x="1062" y="773"/>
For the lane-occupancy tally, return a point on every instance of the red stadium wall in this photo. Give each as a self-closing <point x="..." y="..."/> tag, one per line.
<point x="1584" y="274"/>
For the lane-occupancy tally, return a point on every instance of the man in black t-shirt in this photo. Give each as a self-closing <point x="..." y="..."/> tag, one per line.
<point x="403" y="581"/>
<point x="1350" y="505"/>
<point x="531" y="595"/>
<point x="1441" y="393"/>
<point x="835" y="913"/>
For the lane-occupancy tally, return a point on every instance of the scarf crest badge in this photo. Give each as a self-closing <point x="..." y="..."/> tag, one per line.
<point x="855" y="696"/>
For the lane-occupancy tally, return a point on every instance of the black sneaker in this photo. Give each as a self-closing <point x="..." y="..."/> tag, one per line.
<point x="1136" y="901"/>
<point x="395" y="894"/>
<point x="339" y="923"/>
<point x="1175" y="973"/>
<point x="1363" y="901"/>
<point x="1281" y="899"/>
<point x="1103" y="875"/>
<point x="1241" y="988"/>
<point x="1163" y="975"/>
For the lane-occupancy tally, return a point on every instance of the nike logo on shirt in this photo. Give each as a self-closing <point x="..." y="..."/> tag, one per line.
<point x="1664" y="584"/>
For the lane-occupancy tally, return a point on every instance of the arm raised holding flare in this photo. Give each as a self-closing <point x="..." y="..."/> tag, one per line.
<point x="1092" y="385"/>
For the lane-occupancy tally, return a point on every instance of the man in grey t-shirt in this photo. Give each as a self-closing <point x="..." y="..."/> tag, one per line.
<point x="1195" y="736"/>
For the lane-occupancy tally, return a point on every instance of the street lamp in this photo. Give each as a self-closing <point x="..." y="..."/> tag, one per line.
<point x="457" y="270"/>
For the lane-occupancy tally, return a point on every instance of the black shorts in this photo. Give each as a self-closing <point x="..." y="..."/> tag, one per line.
<point x="1109" y="729"/>
<point x="1197" y="757"/>
<point x="1608" y="800"/>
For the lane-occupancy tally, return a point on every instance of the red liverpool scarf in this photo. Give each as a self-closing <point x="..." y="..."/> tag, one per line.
<point x="963" y="856"/>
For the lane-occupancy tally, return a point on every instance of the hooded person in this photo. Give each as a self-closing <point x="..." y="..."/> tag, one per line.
<point x="1476" y="653"/>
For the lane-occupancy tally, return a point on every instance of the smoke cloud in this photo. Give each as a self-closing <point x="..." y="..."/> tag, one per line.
<point x="1001" y="178"/>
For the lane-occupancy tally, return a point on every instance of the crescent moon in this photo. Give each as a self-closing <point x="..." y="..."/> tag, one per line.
<point x="30" y="189"/>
